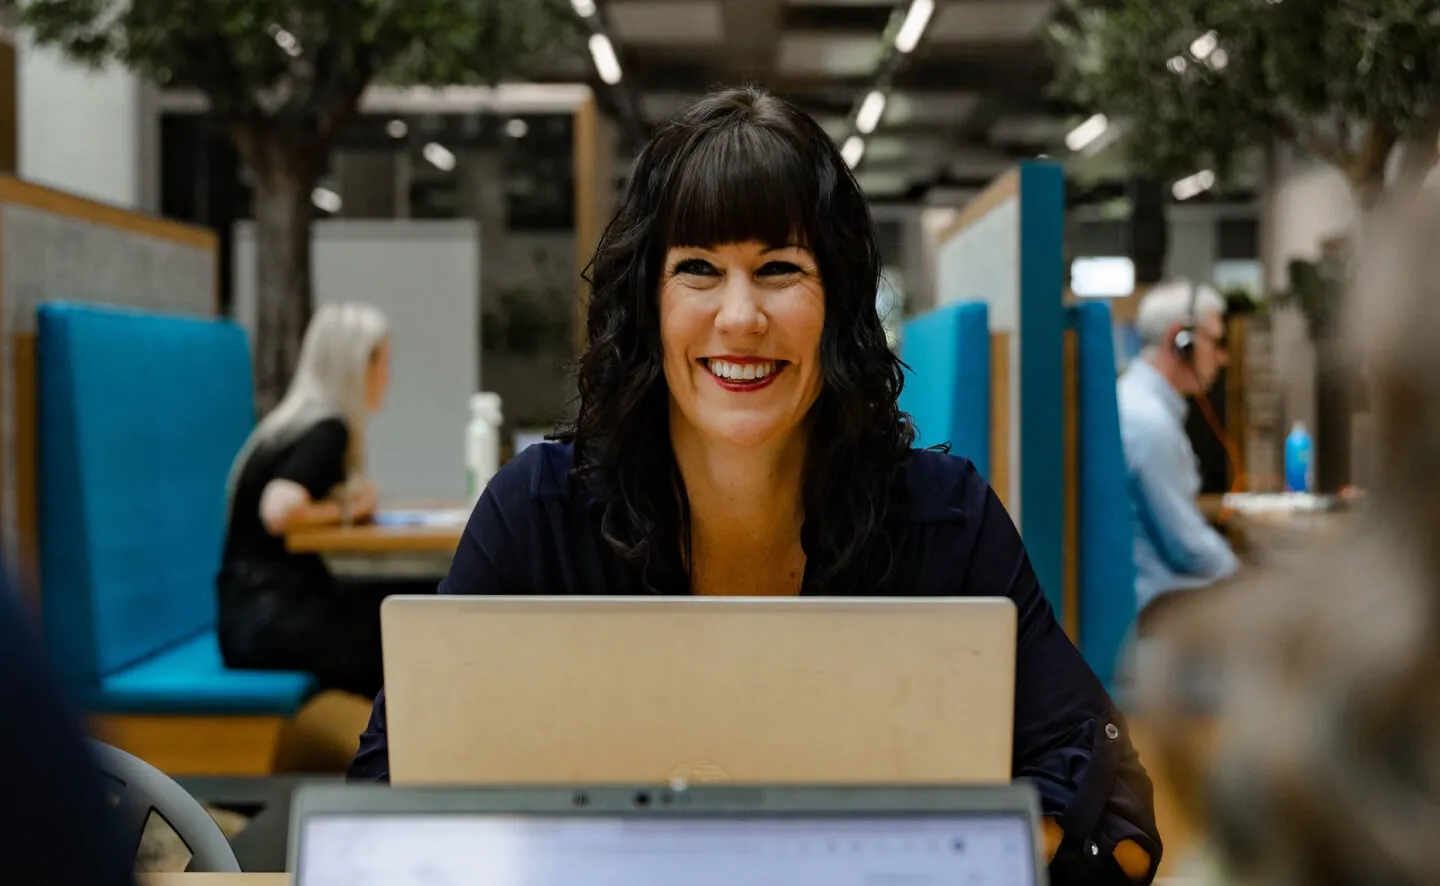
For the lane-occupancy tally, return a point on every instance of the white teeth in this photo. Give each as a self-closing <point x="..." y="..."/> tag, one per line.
<point x="740" y="371"/>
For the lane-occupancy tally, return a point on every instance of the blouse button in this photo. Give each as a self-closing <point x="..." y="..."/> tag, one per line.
<point x="1112" y="731"/>
<point x="1094" y="850"/>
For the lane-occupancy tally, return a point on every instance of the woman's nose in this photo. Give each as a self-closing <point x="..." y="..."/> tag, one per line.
<point x="740" y="310"/>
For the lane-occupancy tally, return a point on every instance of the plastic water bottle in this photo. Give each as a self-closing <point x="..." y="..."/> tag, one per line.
<point x="482" y="443"/>
<point x="1299" y="459"/>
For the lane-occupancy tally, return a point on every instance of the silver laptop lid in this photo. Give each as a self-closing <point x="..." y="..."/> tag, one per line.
<point x="701" y="836"/>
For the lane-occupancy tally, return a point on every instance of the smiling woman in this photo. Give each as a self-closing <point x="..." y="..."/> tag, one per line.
<point x="750" y="242"/>
<point x="738" y="433"/>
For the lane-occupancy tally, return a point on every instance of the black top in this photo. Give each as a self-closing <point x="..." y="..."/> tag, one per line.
<point x="316" y="460"/>
<point x="57" y="827"/>
<point x="531" y="533"/>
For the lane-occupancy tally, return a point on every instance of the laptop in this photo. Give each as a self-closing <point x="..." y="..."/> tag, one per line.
<point x="698" y="836"/>
<point x="575" y="690"/>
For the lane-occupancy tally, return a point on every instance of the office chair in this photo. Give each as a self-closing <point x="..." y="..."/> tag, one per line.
<point x="135" y="789"/>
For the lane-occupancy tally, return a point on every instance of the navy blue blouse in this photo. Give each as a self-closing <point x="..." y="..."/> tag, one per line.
<point x="530" y="534"/>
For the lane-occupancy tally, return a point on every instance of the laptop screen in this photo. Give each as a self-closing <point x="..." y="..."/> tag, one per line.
<point x="457" y="850"/>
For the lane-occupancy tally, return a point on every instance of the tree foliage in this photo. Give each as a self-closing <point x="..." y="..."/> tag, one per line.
<point x="283" y="77"/>
<point x="302" y="61"/>
<point x="1345" y="80"/>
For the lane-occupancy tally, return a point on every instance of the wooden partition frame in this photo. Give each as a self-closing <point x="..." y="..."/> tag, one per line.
<point x="594" y="143"/>
<point x="1070" y="544"/>
<point x="1000" y="415"/>
<point x="1237" y="407"/>
<point x="9" y="106"/>
<point x="21" y="460"/>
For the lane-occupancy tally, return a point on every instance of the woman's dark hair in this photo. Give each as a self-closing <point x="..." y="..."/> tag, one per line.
<point x="739" y="166"/>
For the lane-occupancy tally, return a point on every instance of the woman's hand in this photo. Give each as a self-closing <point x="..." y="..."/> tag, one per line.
<point x="362" y="502"/>
<point x="1133" y="860"/>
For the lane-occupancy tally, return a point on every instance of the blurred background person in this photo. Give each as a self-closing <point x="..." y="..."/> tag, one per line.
<point x="54" y="826"/>
<point x="304" y="466"/>
<point x="1324" y="763"/>
<point x="1182" y="328"/>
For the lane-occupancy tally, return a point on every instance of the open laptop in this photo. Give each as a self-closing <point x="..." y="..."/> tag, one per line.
<point x="576" y="690"/>
<point x="700" y="836"/>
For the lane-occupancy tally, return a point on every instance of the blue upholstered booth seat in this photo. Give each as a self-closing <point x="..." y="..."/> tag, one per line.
<point x="191" y="679"/>
<point x="1106" y="536"/>
<point x="140" y="416"/>
<point x="947" y="385"/>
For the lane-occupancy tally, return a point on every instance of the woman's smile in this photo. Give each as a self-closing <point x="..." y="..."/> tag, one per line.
<point x="743" y="374"/>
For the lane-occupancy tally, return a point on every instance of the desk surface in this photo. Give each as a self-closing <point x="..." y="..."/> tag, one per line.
<point x="214" y="880"/>
<point x="1321" y="523"/>
<point x="371" y="539"/>
<point x="387" y="539"/>
<point x="284" y="880"/>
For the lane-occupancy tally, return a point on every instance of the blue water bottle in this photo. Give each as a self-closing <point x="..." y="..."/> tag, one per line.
<point x="1299" y="459"/>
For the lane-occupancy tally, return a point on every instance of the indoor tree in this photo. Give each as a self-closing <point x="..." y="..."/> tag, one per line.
<point x="1198" y="83"/>
<point x="283" y="77"/>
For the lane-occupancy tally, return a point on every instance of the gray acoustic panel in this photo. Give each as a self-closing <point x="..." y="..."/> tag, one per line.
<point x="46" y="256"/>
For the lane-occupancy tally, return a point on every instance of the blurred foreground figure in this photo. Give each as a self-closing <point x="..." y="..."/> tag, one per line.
<point x="53" y="819"/>
<point x="1324" y="768"/>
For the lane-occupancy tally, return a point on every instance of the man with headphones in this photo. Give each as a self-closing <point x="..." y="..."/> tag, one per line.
<point x="1182" y="330"/>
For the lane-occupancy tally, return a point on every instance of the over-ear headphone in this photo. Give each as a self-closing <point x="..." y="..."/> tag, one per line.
<point x="1184" y="343"/>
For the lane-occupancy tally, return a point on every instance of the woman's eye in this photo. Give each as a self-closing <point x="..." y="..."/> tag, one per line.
<point x="779" y="269"/>
<point x="695" y="267"/>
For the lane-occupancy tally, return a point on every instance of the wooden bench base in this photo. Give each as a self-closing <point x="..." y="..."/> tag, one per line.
<point x="321" y="738"/>
<point x="194" y="745"/>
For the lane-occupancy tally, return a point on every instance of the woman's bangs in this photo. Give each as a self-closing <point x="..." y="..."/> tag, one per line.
<point x="740" y="184"/>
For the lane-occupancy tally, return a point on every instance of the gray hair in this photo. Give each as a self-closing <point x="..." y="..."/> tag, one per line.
<point x="329" y="382"/>
<point x="1170" y="303"/>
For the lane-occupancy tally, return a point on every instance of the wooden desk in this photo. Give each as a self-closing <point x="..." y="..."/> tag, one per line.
<point x="1287" y="523"/>
<point x="214" y="880"/>
<point x="284" y="880"/>
<point x="1212" y="506"/>
<point x="373" y="540"/>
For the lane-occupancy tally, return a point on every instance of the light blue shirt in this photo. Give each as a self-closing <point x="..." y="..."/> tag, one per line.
<point x="1175" y="548"/>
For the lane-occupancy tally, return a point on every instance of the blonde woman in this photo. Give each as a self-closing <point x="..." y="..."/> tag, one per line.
<point x="304" y="466"/>
<point x="1324" y="765"/>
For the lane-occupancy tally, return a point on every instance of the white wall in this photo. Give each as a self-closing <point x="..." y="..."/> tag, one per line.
<point x="79" y="129"/>
<point x="1194" y="242"/>
<point x="425" y="275"/>
<point x="982" y="263"/>
<point x="1307" y="204"/>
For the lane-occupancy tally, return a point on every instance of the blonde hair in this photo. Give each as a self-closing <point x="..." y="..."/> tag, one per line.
<point x="329" y="382"/>
<point x="1325" y="764"/>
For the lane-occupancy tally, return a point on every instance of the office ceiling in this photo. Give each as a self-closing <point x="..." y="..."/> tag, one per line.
<point x="964" y="105"/>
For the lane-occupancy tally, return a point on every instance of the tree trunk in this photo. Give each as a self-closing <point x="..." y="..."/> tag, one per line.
<point x="1420" y="153"/>
<point x="286" y="170"/>
<point x="1366" y="169"/>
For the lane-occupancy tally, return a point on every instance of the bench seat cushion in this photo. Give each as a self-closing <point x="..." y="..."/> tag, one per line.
<point x="191" y="678"/>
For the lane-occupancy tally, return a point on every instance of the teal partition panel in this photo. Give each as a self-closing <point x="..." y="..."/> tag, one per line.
<point x="1041" y="372"/>
<point x="947" y="380"/>
<point x="1106" y="536"/>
